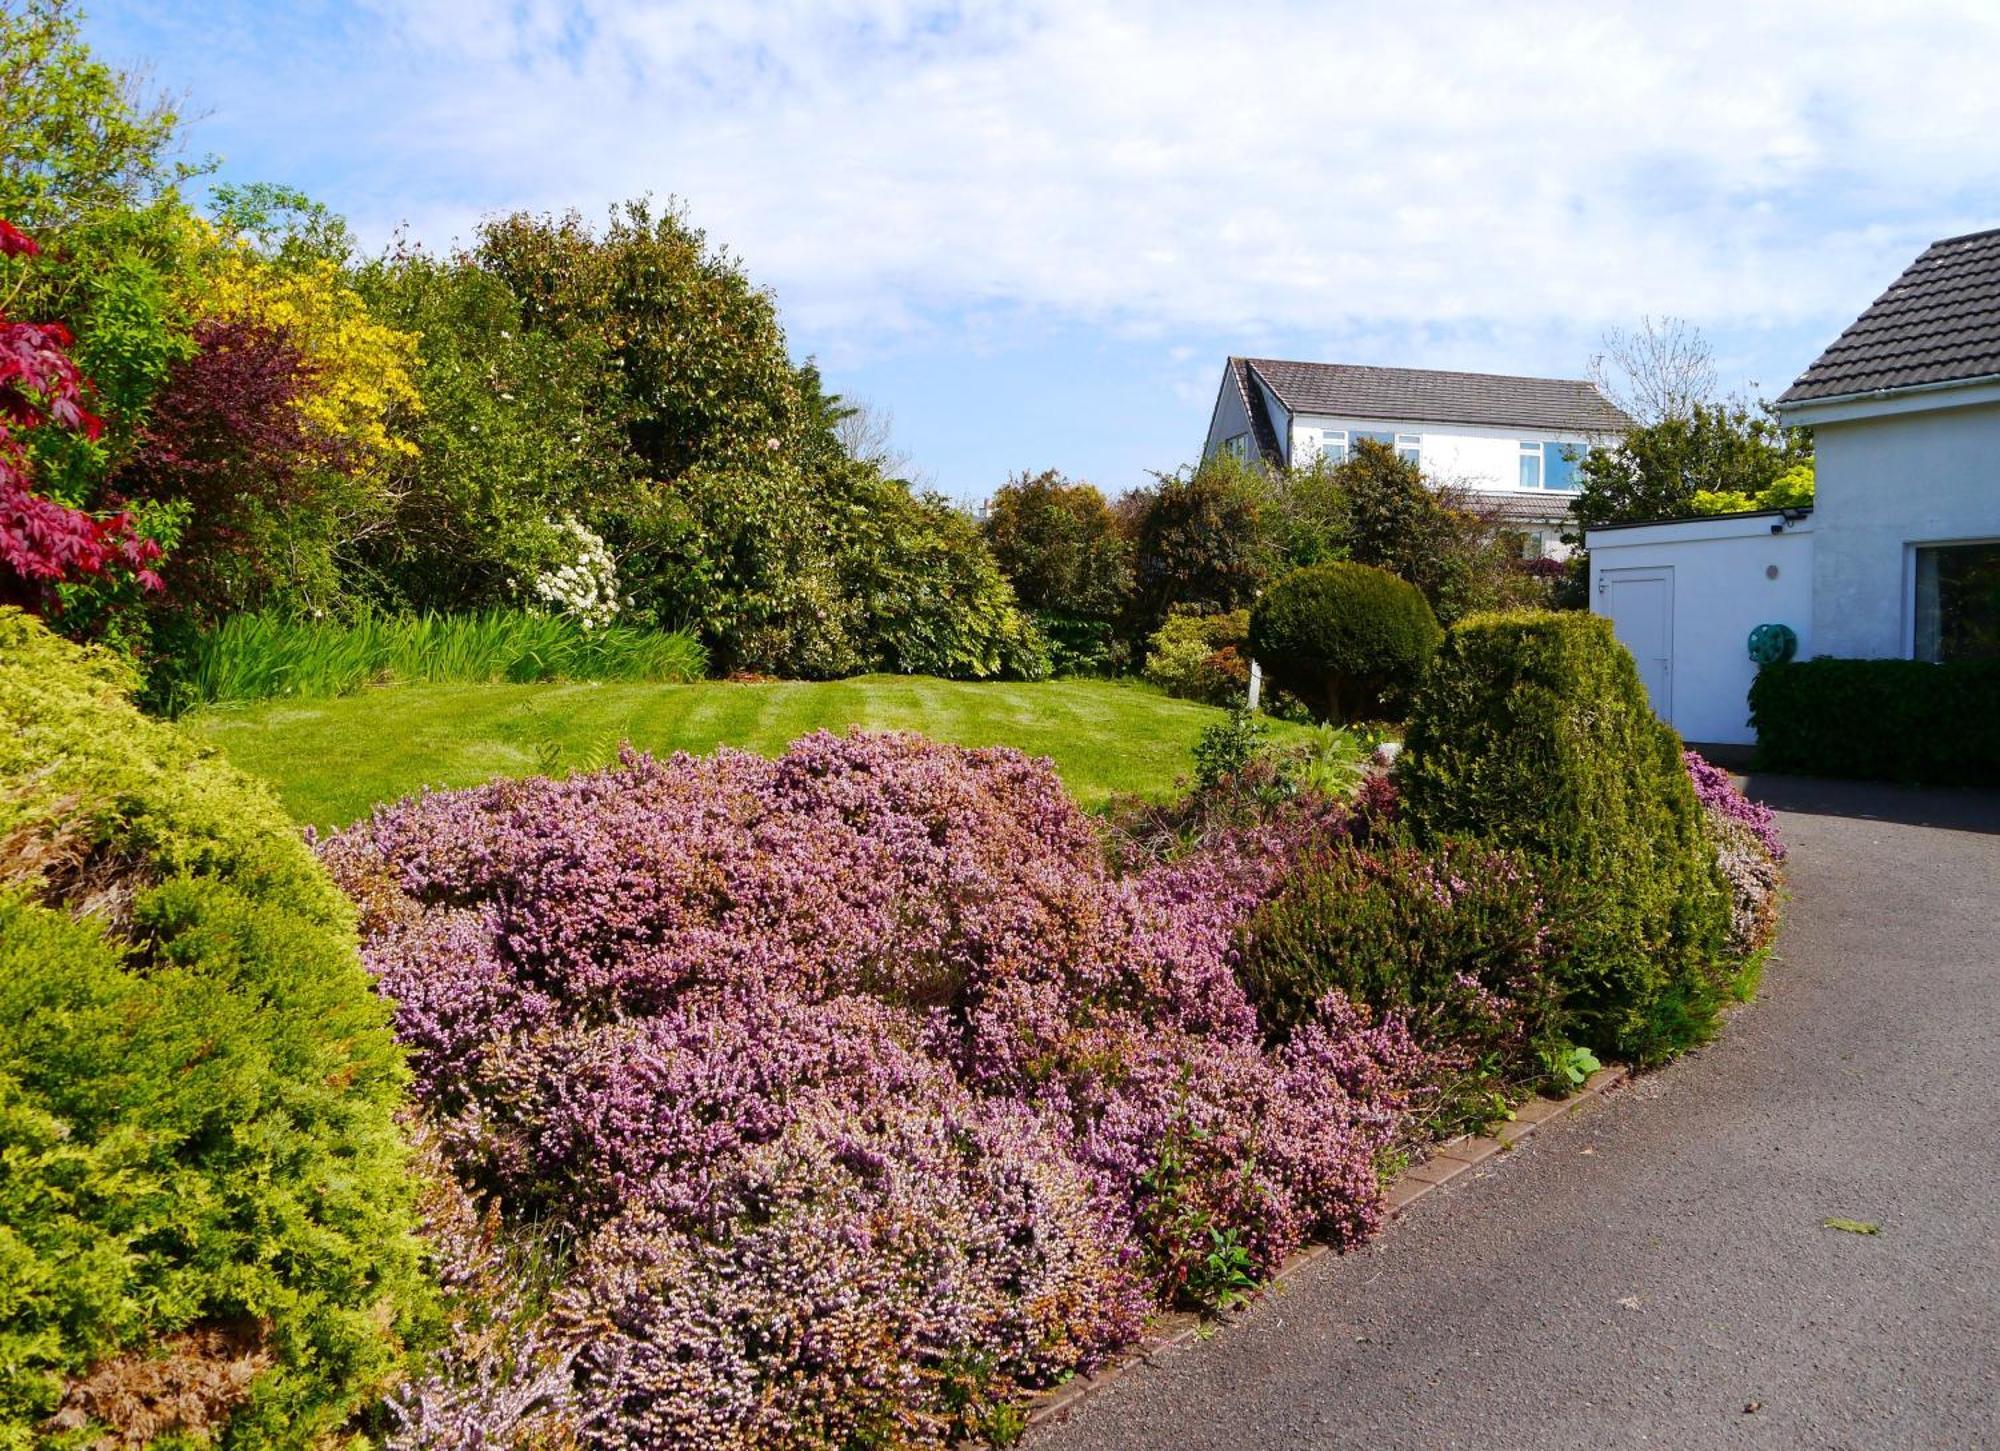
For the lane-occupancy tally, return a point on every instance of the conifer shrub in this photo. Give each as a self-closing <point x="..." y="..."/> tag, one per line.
<point x="1532" y="731"/>
<point x="204" y="1222"/>
<point x="1348" y="639"/>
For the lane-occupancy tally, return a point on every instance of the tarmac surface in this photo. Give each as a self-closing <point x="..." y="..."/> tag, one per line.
<point x="1657" y="1272"/>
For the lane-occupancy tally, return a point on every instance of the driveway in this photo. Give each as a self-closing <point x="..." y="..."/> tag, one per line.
<point x="1656" y="1273"/>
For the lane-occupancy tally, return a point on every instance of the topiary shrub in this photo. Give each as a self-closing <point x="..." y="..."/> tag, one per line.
<point x="1347" y="639"/>
<point x="1450" y="939"/>
<point x="1532" y="731"/>
<point x="204" y="1219"/>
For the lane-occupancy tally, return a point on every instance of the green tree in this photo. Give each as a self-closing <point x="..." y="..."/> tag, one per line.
<point x="707" y="381"/>
<point x="519" y="431"/>
<point x="1060" y="546"/>
<point x="1201" y="540"/>
<point x="1657" y="470"/>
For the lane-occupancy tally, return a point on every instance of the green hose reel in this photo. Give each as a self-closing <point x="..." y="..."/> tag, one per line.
<point x="1770" y="644"/>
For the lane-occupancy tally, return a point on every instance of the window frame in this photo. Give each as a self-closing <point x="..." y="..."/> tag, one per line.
<point x="1532" y="451"/>
<point x="1328" y="447"/>
<point x="1911" y="583"/>
<point x="1410" y="448"/>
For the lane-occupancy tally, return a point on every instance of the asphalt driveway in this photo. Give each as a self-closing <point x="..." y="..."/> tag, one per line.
<point x="1656" y="1273"/>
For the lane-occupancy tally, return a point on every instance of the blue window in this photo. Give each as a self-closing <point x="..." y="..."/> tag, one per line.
<point x="1369" y="435"/>
<point x="1551" y="465"/>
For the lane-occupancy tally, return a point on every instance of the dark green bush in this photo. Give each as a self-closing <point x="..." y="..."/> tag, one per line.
<point x="1898" y="720"/>
<point x="1532" y="731"/>
<point x="1347" y="639"/>
<point x="202" y="1173"/>
<point x="1452" y="938"/>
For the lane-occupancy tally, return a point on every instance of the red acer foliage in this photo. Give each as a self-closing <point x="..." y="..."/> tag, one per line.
<point x="42" y="542"/>
<point x="225" y="435"/>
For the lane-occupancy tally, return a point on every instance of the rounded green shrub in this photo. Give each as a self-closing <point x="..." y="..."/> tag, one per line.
<point x="1347" y="639"/>
<point x="204" y="1211"/>
<point x="1532" y="731"/>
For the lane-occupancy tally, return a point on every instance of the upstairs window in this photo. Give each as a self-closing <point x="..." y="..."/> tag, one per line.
<point x="1551" y="465"/>
<point x="1958" y="602"/>
<point x="1237" y="446"/>
<point x="1370" y="435"/>
<point x="1333" y="445"/>
<point x="1409" y="448"/>
<point x="1531" y="465"/>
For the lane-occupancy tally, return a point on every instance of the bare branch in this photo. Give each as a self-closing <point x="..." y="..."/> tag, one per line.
<point x="1660" y="370"/>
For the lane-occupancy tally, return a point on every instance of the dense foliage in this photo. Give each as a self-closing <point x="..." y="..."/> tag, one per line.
<point x="1348" y="639"/>
<point x="1749" y="857"/>
<point x="1454" y="940"/>
<point x="1202" y="541"/>
<point x="1656" y="470"/>
<point x="1202" y="657"/>
<point x="204" y="1220"/>
<point x="865" y="1091"/>
<point x="1532" y="731"/>
<point x="1892" y="720"/>
<point x="1060" y="546"/>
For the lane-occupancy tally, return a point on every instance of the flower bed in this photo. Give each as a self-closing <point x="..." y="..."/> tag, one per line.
<point x="1749" y="856"/>
<point x="843" y="1097"/>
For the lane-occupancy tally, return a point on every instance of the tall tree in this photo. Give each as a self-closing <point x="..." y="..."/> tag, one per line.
<point x="1656" y="470"/>
<point x="1661" y="369"/>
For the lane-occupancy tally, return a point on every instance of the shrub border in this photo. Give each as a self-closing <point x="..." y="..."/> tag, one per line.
<point x="1180" y="1327"/>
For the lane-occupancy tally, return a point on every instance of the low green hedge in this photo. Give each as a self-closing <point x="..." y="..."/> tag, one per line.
<point x="1897" y="720"/>
<point x="205" y="1230"/>
<point x="1532" y="731"/>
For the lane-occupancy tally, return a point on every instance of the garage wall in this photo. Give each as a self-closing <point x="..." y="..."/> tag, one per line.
<point x="1723" y="587"/>
<point x="1889" y="482"/>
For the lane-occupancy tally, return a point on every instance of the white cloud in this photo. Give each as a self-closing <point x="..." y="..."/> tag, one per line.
<point x="1352" y="169"/>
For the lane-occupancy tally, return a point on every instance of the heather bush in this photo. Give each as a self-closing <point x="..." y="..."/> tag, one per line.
<point x="1453" y="940"/>
<point x="204" y="1217"/>
<point x="865" y="1091"/>
<point x="1743" y="835"/>
<point x="1532" y="731"/>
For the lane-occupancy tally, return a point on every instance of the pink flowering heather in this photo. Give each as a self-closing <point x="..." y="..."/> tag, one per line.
<point x="866" y="1092"/>
<point x="1718" y="795"/>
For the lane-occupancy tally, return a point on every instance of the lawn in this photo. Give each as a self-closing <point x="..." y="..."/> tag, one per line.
<point x="331" y="760"/>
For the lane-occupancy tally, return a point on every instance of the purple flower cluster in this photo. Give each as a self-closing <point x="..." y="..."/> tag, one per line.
<point x="1744" y="837"/>
<point x="1717" y="792"/>
<point x="866" y="1092"/>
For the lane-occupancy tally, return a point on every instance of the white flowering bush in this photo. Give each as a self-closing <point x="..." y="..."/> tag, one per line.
<point x="585" y="586"/>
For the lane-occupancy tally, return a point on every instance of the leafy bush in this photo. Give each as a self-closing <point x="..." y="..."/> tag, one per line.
<point x="204" y="1223"/>
<point x="1532" y="731"/>
<point x="1201" y="541"/>
<point x="1454" y="940"/>
<point x="1059" y="545"/>
<point x="1347" y="639"/>
<point x="1201" y="657"/>
<point x="1894" y="720"/>
<point x="256" y="657"/>
<point x="866" y="1095"/>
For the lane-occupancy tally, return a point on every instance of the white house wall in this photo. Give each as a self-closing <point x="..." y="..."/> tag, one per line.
<point x="1884" y="484"/>
<point x="1729" y="576"/>
<point x="1475" y="455"/>
<point x="1228" y="418"/>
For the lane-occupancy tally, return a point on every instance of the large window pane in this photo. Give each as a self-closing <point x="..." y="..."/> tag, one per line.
<point x="1958" y="602"/>
<point x="1558" y="467"/>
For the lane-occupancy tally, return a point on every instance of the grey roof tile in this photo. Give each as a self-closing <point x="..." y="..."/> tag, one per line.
<point x="1938" y="323"/>
<point x="1425" y="395"/>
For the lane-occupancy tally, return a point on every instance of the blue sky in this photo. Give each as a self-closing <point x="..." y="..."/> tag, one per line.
<point x="1032" y="230"/>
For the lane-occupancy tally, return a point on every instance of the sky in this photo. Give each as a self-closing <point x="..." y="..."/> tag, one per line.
<point x="1031" y="232"/>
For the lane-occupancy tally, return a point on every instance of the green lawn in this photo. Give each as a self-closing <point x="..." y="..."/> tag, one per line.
<point x="331" y="760"/>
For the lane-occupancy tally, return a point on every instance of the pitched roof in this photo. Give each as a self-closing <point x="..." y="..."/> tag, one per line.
<point x="1938" y="323"/>
<point x="1425" y="395"/>
<point x="1262" y="430"/>
<point x="1524" y="508"/>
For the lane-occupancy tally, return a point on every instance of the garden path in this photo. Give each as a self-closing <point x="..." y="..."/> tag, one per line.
<point x="1658" y="1273"/>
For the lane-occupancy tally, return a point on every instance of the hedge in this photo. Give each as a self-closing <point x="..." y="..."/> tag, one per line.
<point x="1899" y="720"/>
<point x="204" y="1220"/>
<point x="1532" y="731"/>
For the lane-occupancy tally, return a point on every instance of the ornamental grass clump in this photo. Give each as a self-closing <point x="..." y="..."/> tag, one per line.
<point x="858" y="1092"/>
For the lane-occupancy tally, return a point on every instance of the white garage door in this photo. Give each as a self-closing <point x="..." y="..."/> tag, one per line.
<point x="1640" y="604"/>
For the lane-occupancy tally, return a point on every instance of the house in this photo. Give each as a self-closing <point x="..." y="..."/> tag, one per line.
<point x="1899" y="557"/>
<point x="1511" y="444"/>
